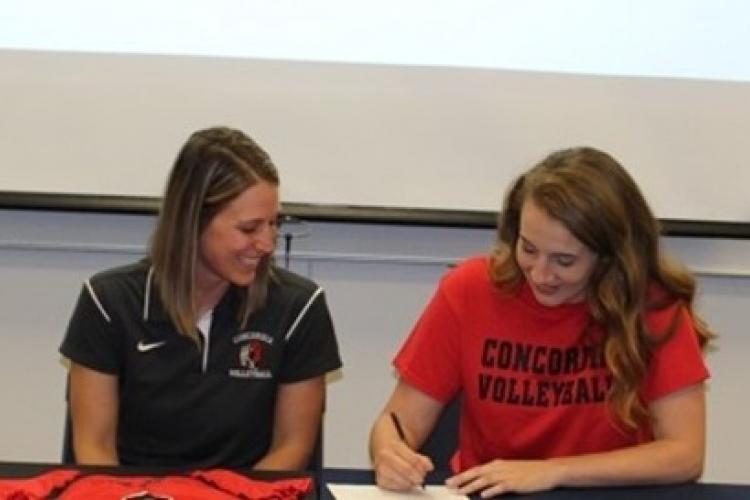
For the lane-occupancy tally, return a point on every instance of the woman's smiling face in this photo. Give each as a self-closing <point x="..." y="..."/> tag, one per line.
<point x="555" y="263"/>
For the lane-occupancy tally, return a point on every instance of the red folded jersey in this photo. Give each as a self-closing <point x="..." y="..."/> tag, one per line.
<point x="246" y="488"/>
<point x="37" y="487"/>
<point x="101" y="487"/>
<point x="201" y="485"/>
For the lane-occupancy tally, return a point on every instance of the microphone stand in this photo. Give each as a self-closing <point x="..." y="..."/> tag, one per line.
<point x="296" y="228"/>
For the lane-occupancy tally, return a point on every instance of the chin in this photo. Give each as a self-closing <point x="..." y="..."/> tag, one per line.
<point x="243" y="280"/>
<point x="558" y="300"/>
<point x="549" y="301"/>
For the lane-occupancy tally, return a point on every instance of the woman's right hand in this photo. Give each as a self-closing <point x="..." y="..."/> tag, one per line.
<point x="402" y="426"/>
<point x="398" y="467"/>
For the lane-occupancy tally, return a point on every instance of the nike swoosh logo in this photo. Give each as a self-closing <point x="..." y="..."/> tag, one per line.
<point x="144" y="347"/>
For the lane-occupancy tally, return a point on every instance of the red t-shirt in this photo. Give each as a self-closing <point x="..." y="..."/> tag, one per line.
<point x="532" y="386"/>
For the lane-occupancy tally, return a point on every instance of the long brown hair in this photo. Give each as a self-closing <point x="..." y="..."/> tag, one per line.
<point x="213" y="167"/>
<point x="589" y="192"/>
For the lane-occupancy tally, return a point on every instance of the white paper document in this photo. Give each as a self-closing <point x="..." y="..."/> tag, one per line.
<point x="372" y="492"/>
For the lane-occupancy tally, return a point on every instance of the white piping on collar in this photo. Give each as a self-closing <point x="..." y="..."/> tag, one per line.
<point x="204" y="328"/>
<point x="147" y="293"/>
<point x="93" y="296"/>
<point x="302" y="313"/>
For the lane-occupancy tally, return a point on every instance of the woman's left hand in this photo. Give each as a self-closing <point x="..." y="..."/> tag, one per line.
<point x="505" y="476"/>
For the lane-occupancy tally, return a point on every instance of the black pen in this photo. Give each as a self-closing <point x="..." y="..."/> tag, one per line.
<point x="400" y="431"/>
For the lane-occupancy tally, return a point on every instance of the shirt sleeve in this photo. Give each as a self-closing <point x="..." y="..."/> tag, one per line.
<point x="91" y="339"/>
<point x="430" y="359"/>
<point x="677" y="362"/>
<point x="311" y="348"/>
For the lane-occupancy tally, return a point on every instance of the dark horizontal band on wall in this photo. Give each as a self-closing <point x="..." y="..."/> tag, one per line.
<point x="339" y="213"/>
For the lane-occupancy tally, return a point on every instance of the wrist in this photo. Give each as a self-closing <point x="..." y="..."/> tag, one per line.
<point x="560" y="471"/>
<point x="378" y="442"/>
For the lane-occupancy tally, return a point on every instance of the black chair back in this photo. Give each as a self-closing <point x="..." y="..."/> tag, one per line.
<point x="67" y="457"/>
<point x="442" y="442"/>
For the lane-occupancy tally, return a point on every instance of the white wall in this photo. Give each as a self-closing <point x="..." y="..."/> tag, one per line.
<point x="377" y="280"/>
<point x="348" y="134"/>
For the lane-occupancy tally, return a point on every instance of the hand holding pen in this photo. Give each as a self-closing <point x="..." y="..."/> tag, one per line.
<point x="401" y="434"/>
<point x="396" y="464"/>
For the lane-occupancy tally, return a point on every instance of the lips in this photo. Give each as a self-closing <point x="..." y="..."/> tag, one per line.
<point x="250" y="261"/>
<point x="545" y="289"/>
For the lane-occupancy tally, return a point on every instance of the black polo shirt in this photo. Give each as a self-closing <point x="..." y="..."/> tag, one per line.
<point x="198" y="405"/>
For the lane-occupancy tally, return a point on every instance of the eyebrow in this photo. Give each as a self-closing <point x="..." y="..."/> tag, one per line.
<point x="254" y="222"/>
<point x="554" y="254"/>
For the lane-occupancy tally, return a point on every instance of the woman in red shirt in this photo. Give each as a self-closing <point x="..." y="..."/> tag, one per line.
<point x="574" y="346"/>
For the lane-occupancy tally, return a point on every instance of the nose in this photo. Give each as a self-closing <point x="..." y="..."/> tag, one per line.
<point x="540" y="272"/>
<point x="265" y="240"/>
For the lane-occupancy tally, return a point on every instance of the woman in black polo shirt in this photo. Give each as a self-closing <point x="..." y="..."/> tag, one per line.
<point x="204" y="353"/>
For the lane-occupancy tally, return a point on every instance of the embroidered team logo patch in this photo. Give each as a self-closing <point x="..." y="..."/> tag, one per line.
<point x="253" y="354"/>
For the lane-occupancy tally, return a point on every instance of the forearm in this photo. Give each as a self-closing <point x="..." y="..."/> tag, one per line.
<point x="658" y="462"/>
<point x="676" y="454"/>
<point x="94" y="408"/>
<point x="297" y="421"/>
<point x="95" y="452"/>
<point x="285" y="457"/>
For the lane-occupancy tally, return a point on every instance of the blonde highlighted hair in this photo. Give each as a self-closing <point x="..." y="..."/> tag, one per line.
<point x="589" y="192"/>
<point x="213" y="167"/>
